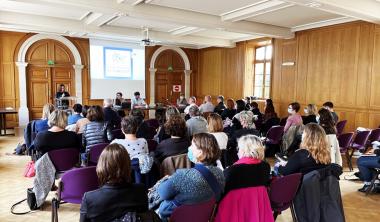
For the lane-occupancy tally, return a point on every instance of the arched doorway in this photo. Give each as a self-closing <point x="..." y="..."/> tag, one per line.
<point x="21" y="64"/>
<point x="50" y="63"/>
<point x="171" y="76"/>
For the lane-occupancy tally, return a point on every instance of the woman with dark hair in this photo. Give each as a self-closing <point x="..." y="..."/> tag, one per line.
<point x="117" y="195"/>
<point x="270" y="118"/>
<point x="230" y="110"/>
<point x="294" y="118"/>
<point x="136" y="147"/>
<point x="190" y="186"/>
<point x="143" y="131"/>
<point x="97" y="130"/>
<point x="326" y="121"/>
<point x="161" y="132"/>
<point x="178" y="141"/>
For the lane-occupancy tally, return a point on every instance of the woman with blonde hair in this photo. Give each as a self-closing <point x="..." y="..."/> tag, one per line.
<point x="310" y="114"/>
<point x="250" y="170"/>
<point x="314" y="152"/>
<point x="56" y="137"/>
<point x="42" y="124"/>
<point x="215" y="128"/>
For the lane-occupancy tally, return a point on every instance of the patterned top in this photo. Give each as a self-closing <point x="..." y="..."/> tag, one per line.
<point x="136" y="148"/>
<point x="187" y="186"/>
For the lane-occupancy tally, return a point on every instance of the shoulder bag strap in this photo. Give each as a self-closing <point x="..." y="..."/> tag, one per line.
<point x="18" y="213"/>
<point x="210" y="178"/>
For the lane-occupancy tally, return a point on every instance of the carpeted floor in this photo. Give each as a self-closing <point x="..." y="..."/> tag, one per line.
<point x="357" y="206"/>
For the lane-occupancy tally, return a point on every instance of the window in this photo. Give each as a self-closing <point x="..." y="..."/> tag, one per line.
<point x="262" y="71"/>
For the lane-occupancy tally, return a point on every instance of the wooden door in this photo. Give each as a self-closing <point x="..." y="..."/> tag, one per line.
<point x="39" y="90"/>
<point x="170" y="71"/>
<point x="50" y="63"/>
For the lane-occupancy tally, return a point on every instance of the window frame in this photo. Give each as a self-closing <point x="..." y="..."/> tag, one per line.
<point x="264" y="62"/>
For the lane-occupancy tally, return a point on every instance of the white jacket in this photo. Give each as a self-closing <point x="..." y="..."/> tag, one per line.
<point x="334" y="149"/>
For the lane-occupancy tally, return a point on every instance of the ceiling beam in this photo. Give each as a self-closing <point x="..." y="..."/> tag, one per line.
<point x="255" y="10"/>
<point x="173" y="16"/>
<point x="67" y="25"/>
<point x="184" y="30"/>
<point x="314" y="25"/>
<point x="367" y="10"/>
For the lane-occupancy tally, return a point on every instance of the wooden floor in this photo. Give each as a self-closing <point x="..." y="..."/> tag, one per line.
<point x="13" y="187"/>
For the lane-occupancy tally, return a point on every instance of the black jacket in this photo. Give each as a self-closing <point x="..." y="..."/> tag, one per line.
<point x="230" y="113"/>
<point x="47" y="141"/>
<point x="300" y="162"/>
<point x="171" y="147"/>
<point x="219" y="108"/>
<point x="110" y="202"/>
<point x="319" y="198"/>
<point x="112" y="117"/>
<point x="246" y="175"/>
<point x="96" y="132"/>
<point x="309" y="119"/>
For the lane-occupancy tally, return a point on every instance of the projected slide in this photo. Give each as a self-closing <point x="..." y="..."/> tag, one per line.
<point x="116" y="67"/>
<point x="118" y="63"/>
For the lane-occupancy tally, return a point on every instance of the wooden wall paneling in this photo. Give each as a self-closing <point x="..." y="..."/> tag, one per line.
<point x="288" y="73"/>
<point x="277" y="70"/>
<point x="302" y="67"/>
<point x="375" y="78"/>
<point x="249" y="54"/>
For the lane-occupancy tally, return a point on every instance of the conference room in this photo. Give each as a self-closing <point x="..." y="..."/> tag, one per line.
<point x="189" y="110"/>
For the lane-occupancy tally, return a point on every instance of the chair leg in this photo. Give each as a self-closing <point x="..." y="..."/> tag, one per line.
<point x="350" y="160"/>
<point x="54" y="210"/>
<point x="294" y="215"/>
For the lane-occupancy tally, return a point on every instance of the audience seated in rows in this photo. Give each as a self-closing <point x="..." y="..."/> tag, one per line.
<point x="207" y="105"/>
<point x="327" y="123"/>
<point x="230" y="110"/>
<point x="178" y="142"/>
<point x="294" y="118"/>
<point x="191" y="102"/>
<point x="220" y="107"/>
<point x="161" y="132"/>
<point x="215" y="127"/>
<point x="310" y="114"/>
<point x="83" y="121"/>
<point x="314" y="152"/>
<point x="330" y="107"/>
<point x="136" y="147"/>
<point x="189" y="186"/>
<point x="143" y="130"/>
<point x="42" y="124"/>
<point x="76" y="115"/>
<point x="117" y="194"/>
<point x="97" y="130"/>
<point x="270" y="117"/>
<point x="110" y="115"/>
<point x="56" y="137"/>
<point x="196" y="124"/>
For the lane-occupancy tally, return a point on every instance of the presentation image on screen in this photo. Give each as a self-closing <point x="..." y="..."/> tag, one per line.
<point x="116" y="67"/>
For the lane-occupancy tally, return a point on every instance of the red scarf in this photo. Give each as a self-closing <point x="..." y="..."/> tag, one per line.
<point x="248" y="160"/>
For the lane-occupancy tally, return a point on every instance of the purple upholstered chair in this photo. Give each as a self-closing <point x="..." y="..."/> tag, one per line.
<point x="94" y="152"/>
<point x="345" y="141"/>
<point x="201" y="212"/>
<point x="74" y="183"/>
<point x="117" y="134"/>
<point x="282" y="192"/>
<point x="64" y="159"/>
<point x="358" y="144"/>
<point x="274" y="135"/>
<point x="340" y="126"/>
<point x="152" y="145"/>
<point x="373" y="136"/>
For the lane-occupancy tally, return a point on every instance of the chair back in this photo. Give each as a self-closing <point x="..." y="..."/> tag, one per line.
<point x="64" y="159"/>
<point x="360" y="140"/>
<point x="283" y="190"/>
<point x="118" y="134"/>
<point x="74" y="183"/>
<point x="94" y="152"/>
<point x="153" y="123"/>
<point x="200" y="212"/>
<point x="274" y="135"/>
<point x="152" y="145"/>
<point x="374" y="136"/>
<point x="345" y="140"/>
<point x="340" y="126"/>
<point x="283" y="121"/>
<point x="172" y="163"/>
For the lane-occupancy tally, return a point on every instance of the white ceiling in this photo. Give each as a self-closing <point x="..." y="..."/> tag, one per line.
<point x="188" y="23"/>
